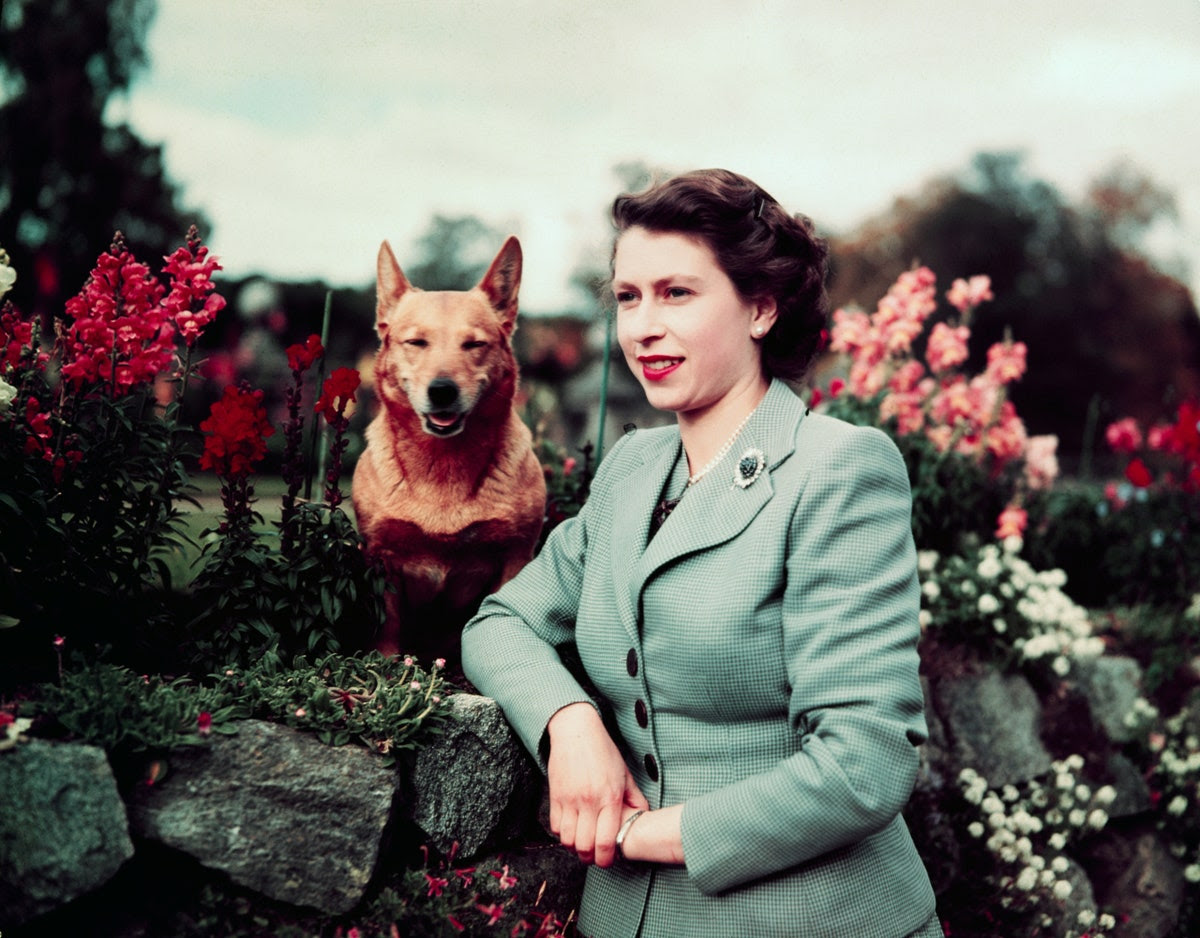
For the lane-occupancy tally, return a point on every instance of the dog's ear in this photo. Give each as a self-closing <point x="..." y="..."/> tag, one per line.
<point x="501" y="282"/>
<point x="391" y="284"/>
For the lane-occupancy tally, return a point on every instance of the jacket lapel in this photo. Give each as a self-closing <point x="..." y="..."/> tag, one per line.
<point x="631" y="521"/>
<point x="716" y="509"/>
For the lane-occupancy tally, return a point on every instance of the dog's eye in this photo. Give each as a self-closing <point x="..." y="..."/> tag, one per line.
<point x="474" y="344"/>
<point x="416" y="343"/>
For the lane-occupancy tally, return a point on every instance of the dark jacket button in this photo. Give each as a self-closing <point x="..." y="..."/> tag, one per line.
<point x="639" y="711"/>
<point x="631" y="662"/>
<point x="651" y="768"/>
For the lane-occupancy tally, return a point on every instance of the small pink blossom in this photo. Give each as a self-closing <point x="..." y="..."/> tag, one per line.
<point x="1041" y="461"/>
<point x="1006" y="362"/>
<point x="439" y="663"/>
<point x="1011" y="523"/>
<point x="965" y="294"/>
<point x="494" y="911"/>
<point x="59" y="641"/>
<point x="436" y="884"/>
<point x="301" y="712"/>
<point x="415" y="685"/>
<point x="204" y="723"/>
<point x="947" y="347"/>
<point x="506" y="881"/>
<point x="1125" y="436"/>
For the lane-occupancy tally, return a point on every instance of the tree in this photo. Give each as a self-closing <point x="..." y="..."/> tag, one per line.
<point x="1108" y="334"/>
<point x="454" y="253"/>
<point x="68" y="179"/>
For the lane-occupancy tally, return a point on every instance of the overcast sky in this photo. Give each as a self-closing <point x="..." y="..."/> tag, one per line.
<point x="310" y="130"/>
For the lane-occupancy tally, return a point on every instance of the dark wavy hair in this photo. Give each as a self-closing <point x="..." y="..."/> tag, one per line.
<point x="763" y="250"/>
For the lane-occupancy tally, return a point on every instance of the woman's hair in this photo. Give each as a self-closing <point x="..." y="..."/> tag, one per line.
<point x="763" y="250"/>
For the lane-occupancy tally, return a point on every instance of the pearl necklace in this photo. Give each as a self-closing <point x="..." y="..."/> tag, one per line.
<point x="721" y="453"/>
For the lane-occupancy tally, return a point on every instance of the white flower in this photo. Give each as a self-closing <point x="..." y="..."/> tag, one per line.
<point x="1074" y="762"/>
<point x="1107" y="921"/>
<point x="1027" y="880"/>
<point x="1191" y="872"/>
<point x="927" y="560"/>
<point x="992" y="804"/>
<point x="1062" y="889"/>
<point x="1000" y="626"/>
<point x="8" y="276"/>
<point x="1097" y="819"/>
<point x="1009" y="793"/>
<point x="975" y="829"/>
<point x="1013" y="544"/>
<point x="968" y="588"/>
<point x="1106" y="795"/>
<point x="1061" y="666"/>
<point x="931" y="590"/>
<point x="1177" y="806"/>
<point x="1065" y="781"/>
<point x="1077" y="818"/>
<point x="988" y="604"/>
<point x="990" y="567"/>
<point x="1086" y="917"/>
<point x="1057" y="841"/>
<point x="1059" y="864"/>
<point x="925" y="619"/>
<point x="1082" y="792"/>
<point x="7" y="393"/>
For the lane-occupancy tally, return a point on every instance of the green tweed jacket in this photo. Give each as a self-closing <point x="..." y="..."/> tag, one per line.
<point x="757" y="660"/>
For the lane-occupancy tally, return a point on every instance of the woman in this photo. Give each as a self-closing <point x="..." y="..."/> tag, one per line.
<point x="741" y="591"/>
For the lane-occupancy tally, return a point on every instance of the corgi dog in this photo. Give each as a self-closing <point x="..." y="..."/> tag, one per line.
<point x="448" y="493"/>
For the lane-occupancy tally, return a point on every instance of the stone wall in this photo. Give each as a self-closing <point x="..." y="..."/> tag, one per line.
<point x="301" y="823"/>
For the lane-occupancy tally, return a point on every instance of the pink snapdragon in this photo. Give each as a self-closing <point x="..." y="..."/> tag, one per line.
<point x="964" y="295"/>
<point x="1006" y="362"/>
<point x="947" y="348"/>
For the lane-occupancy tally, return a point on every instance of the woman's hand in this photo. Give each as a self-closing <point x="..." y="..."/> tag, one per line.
<point x="590" y="787"/>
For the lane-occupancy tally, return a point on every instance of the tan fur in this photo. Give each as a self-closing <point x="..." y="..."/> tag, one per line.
<point x="449" y="495"/>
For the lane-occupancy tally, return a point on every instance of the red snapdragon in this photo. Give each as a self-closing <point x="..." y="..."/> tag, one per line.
<point x="237" y="431"/>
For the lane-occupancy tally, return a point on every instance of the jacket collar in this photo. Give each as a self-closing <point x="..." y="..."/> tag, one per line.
<point x="711" y="512"/>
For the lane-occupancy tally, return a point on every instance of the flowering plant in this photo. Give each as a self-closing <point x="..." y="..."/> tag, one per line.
<point x="95" y="452"/>
<point x="992" y="600"/>
<point x="1018" y="837"/>
<point x="1174" y="778"/>
<point x="960" y="435"/>
<point x="318" y="590"/>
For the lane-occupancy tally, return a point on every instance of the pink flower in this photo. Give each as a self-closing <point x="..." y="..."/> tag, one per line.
<point x="947" y="347"/>
<point x="1006" y="362"/>
<point x="1124" y="436"/>
<point x="965" y="294"/>
<point x="1041" y="461"/>
<point x="59" y="641"/>
<point x="836" y="386"/>
<point x="907" y="407"/>
<point x="1011" y="523"/>
<point x="494" y="912"/>
<point x="204" y="723"/>
<point x="569" y="465"/>
<point x="439" y="663"/>
<point x="506" y="881"/>
<point x="436" y="884"/>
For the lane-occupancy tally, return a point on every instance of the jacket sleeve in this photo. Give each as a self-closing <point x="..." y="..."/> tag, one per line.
<point x="510" y="648"/>
<point x="850" y="634"/>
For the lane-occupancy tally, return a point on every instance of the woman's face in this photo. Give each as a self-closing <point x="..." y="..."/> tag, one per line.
<point x="687" y="335"/>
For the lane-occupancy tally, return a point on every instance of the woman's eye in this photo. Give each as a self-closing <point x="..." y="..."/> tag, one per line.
<point x="676" y="293"/>
<point x="625" y="296"/>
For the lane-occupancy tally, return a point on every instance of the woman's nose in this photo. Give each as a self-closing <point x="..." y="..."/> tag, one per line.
<point x="644" y="321"/>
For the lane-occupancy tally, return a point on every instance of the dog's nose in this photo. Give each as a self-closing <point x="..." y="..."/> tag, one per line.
<point x="443" y="393"/>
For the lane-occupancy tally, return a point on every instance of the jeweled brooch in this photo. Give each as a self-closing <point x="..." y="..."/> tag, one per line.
<point x="749" y="467"/>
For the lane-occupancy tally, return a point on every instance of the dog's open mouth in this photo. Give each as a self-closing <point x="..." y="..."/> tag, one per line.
<point x="444" y="422"/>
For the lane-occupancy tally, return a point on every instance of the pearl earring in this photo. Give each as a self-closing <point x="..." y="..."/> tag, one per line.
<point x="758" y="330"/>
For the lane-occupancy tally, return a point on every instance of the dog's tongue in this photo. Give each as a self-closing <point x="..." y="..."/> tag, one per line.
<point x="443" y="420"/>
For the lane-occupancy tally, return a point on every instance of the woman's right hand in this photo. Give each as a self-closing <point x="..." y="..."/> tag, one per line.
<point x="590" y="786"/>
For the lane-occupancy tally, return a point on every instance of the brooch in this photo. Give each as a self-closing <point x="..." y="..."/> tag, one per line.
<point x="749" y="467"/>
